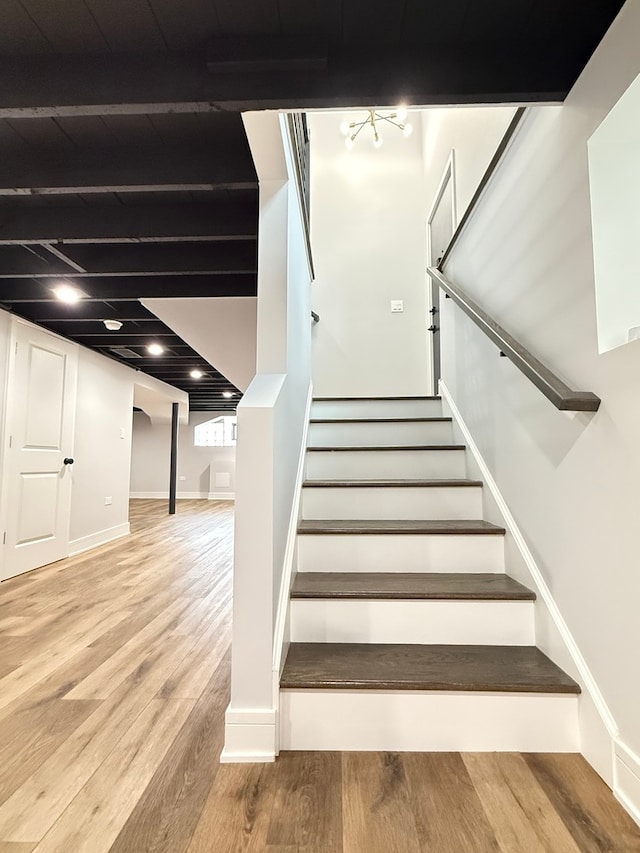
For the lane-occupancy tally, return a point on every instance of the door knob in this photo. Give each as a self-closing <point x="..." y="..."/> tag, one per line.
<point x="68" y="460"/>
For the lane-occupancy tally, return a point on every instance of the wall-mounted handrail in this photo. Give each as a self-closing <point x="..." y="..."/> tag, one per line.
<point x="299" y="136"/>
<point x="553" y="388"/>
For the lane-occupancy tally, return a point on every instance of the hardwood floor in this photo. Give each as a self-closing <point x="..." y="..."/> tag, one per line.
<point x="114" y="675"/>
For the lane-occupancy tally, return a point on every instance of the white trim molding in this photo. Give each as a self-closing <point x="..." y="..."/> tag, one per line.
<point x="94" y="540"/>
<point x="249" y="736"/>
<point x="627" y="779"/>
<point x="184" y="496"/>
<point x="598" y="731"/>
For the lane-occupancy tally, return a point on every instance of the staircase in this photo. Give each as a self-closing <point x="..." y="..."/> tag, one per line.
<point x="406" y="633"/>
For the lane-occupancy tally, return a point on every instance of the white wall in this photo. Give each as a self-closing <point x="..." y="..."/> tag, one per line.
<point x="221" y="329"/>
<point x="102" y="450"/>
<point x="198" y="465"/>
<point x="5" y="333"/>
<point x="104" y="410"/>
<point x="571" y="481"/>
<point x="614" y="175"/>
<point x="369" y="246"/>
<point x="272" y="419"/>
<point x="474" y="133"/>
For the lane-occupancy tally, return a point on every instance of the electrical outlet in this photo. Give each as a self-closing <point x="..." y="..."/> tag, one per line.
<point x="108" y="501"/>
<point x="397" y="306"/>
<point x="182" y="478"/>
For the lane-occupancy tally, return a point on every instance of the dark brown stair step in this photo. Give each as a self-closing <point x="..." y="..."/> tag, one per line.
<point x="396" y="484"/>
<point x="357" y="399"/>
<point x="405" y="420"/>
<point x="350" y="447"/>
<point x="449" y="527"/>
<point x="374" y="666"/>
<point x="409" y="585"/>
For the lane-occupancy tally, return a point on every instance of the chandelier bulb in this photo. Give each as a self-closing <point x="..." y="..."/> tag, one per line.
<point x="349" y="143"/>
<point x="407" y="130"/>
<point x="377" y="141"/>
<point x="401" y="113"/>
<point x="344" y="128"/>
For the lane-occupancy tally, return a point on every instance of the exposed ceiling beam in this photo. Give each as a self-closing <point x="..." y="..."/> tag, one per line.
<point x="127" y="224"/>
<point x="59" y="312"/>
<point x="108" y="339"/>
<point x="111" y="84"/>
<point x="81" y="328"/>
<point x="121" y="170"/>
<point x="62" y="257"/>
<point x="126" y="288"/>
<point x="132" y="259"/>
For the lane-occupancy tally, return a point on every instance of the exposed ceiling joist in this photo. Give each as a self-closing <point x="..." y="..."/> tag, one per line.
<point x="121" y="170"/>
<point x="132" y="259"/>
<point x="128" y="84"/>
<point x="133" y="288"/>
<point x="127" y="224"/>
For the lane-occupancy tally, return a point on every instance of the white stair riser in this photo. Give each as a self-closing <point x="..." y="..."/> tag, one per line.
<point x="392" y="503"/>
<point x="377" y="409"/>
<point x="508" y="623"/>
<point x="406" y="552"/>
<point x="385" y="464"/>
<point x="378" y="433"/>
<point x="426" y="721"/>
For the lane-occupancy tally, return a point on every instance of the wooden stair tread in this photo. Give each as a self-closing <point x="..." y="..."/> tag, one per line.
<point x="375" y="666"/>
<point x="399" y="420"/>
<point x="446" y="527"/>
<point x="349" y="447"/>
<point x="380" y="484"/>
<point x="409" y="585"/>
<point x="357" y="399"/>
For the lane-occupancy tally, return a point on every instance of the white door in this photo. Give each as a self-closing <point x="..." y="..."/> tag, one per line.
<point x="40" y="425"/>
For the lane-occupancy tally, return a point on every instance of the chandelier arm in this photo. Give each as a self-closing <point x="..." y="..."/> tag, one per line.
<point x="394" y="123"/>
<point x="358" y="130"/>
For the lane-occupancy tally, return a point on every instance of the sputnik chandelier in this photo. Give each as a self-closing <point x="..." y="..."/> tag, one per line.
<point x="374" y="121"/>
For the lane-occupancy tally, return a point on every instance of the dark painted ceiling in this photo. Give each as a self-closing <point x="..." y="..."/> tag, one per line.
<point x="124" y="167"/>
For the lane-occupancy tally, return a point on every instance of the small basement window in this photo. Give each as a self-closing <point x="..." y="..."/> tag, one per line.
<point x="218" y="432"/>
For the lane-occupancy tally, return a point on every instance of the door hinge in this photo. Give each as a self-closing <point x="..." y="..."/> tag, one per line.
<point x="10" y="441"/>
<point x="16" y="347"/>
<point x="4" y="538"/>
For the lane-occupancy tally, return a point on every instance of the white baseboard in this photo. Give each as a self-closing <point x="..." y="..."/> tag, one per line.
<point x="85" y="543"/>
<point x="598" y="729"/>
<point x="184" y="496"/>
<point x="627" y="779"/>
<point x="250" y="737"/>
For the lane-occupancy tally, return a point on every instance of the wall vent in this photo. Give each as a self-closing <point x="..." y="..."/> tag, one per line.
<point x="124" y="352"/>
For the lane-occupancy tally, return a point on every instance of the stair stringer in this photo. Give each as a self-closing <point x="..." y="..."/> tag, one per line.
<point x="598" y="732"/>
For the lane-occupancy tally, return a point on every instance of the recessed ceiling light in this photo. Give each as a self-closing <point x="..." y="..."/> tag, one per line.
<point x="196" y="374"/>
<point x="67" y="293"/>
<point x="112" y="325"/>
<point x="155" y="349"/>
<point x="227" y="394"/>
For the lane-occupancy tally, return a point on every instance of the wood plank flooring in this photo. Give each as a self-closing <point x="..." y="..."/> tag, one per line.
<point x="114" y="678"/>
